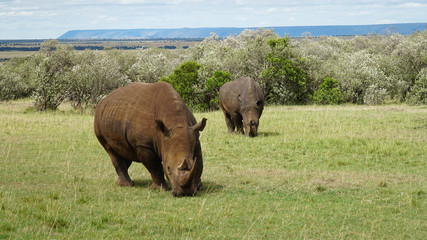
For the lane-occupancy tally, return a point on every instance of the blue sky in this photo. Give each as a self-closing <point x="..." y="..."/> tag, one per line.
<point x="44" y="19"/>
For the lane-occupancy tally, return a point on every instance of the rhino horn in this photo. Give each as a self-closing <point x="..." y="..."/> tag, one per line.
<point x="186" y="178"/>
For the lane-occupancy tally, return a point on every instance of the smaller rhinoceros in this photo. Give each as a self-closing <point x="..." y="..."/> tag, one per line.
<point x="242" y="102"/>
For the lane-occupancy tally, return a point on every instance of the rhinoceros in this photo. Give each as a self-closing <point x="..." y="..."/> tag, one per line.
<point x="242" y="102"/>
<point x="150" y="123"/>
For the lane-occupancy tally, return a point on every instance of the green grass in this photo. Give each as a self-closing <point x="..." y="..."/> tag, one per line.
<point x="314" y="172"/>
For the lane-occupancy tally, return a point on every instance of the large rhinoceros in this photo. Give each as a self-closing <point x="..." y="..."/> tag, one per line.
<point x="150" y="123"/>
<point x="242" y="102"/>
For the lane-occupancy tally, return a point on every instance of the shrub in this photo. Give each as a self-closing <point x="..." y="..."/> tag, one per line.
<point x="328" y="92"/>
<point x="284" y="82"/>
<point x="185" y="81"/>
<point x="93" y="77"/>
<point x="213" y="85"/>
<point x="375" y="95"/>
<point x="51" y="83"/>
<point x="11" y="86"/>
<point x="152" y="64"/>
<point x="418" y="94"/>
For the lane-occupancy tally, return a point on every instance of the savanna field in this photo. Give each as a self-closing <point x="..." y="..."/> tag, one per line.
<point x="314" y="172"/>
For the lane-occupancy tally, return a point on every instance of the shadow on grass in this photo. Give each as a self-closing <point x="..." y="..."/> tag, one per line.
<point x="208" y="186"/>
<point x="268" y="134"/>
<point x="143" y="183"/>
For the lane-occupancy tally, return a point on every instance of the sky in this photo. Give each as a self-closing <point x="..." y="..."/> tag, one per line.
<point x="46" y="19"/>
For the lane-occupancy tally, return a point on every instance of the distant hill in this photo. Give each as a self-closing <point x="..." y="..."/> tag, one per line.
<point x="297" y="31"/>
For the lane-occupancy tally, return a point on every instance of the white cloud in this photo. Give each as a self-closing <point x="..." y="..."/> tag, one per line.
<point x="19" y="14"/>
<point x="290" y="9"/>
<point x="271" y="10"/>
<point x="240" y="2"/>
<point x="413" y="5"/>
<point x="361" y="13"/>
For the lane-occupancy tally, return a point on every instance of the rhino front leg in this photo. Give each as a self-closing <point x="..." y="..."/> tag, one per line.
<point x="154" y="167"/>
<point x="121" y="165"/>
<point x="237" y="118"/>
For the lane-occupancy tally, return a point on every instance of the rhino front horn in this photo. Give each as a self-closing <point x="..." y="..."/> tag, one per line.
<point x="186" y="178"/>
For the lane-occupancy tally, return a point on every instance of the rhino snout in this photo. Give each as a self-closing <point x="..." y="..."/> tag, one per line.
<point x="183" y="192"/>
<point x="252" y="128"/>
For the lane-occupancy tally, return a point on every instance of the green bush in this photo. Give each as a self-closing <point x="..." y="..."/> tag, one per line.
<point x="185" y="81"/>
<point x="328" y="92"/>
<point x="213" y="85"/>
<point x="284" y="81"/>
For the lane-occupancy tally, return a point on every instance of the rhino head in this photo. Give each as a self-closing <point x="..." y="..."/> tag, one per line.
<point x="182" y="156"/>
<point x="251" y="112"/>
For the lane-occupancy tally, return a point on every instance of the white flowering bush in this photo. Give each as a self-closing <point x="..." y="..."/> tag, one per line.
<point x="418" y="94"/>
<point x="51" y="84"/>
<point x="370" y="69"/>
<point x="92" y="77"/>
<point x="152" y="64"/>
<point x="11" y="85"/>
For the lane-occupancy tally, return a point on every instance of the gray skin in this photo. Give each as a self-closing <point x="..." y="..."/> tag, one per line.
<point x="150" y="124"/>
<point x="242" y="102"/>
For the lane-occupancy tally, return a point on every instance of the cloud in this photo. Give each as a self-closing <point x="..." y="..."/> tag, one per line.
<point x="271" y="10"/>
<point x="19" y="14"/>
<point x="240" y="3"/>
<point x="361" y="13"/>
<point x="412" y="5"/>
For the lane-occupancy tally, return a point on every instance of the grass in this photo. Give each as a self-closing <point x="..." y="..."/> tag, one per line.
<point x="314" y="172"/>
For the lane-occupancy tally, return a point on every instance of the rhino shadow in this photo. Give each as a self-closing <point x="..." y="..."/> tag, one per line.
<point x="211" y="187"/>
<point x="208" y="186"/>
<point x="267" y="134"/>
<point x="142" y="183"/>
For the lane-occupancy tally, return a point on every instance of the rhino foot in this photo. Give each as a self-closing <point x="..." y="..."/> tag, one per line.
<point x="163" y="186"/>
<point x="124" y="183"/>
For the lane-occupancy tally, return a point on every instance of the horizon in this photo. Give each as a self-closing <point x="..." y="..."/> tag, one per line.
<point x="267" y="27"/>
<point x="43" y="19"/>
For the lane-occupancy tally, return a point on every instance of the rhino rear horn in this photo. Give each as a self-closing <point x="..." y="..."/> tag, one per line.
<point x="200" y="125"/>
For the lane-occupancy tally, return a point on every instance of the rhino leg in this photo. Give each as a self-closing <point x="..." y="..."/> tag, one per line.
<point x="237" y="118"/>
<point x="121" y="165"/>
<point x="154" y="167"/>
<point x="229" y="122"/>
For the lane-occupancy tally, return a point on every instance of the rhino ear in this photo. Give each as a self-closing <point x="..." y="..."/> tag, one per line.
<point x="161" y="127"/>
<point x="200" y="126"/>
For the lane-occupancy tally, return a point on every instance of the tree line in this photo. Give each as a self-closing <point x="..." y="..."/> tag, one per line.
<point x="373" y="69"/>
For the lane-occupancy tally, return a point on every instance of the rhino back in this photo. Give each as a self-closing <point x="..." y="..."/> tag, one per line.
<point x="125" y="119"/>
<point x="248" y="90"/>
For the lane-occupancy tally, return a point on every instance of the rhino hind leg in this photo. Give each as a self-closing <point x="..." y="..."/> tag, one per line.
<point x="154" y="167"/>
<point x="229" y="122"/>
